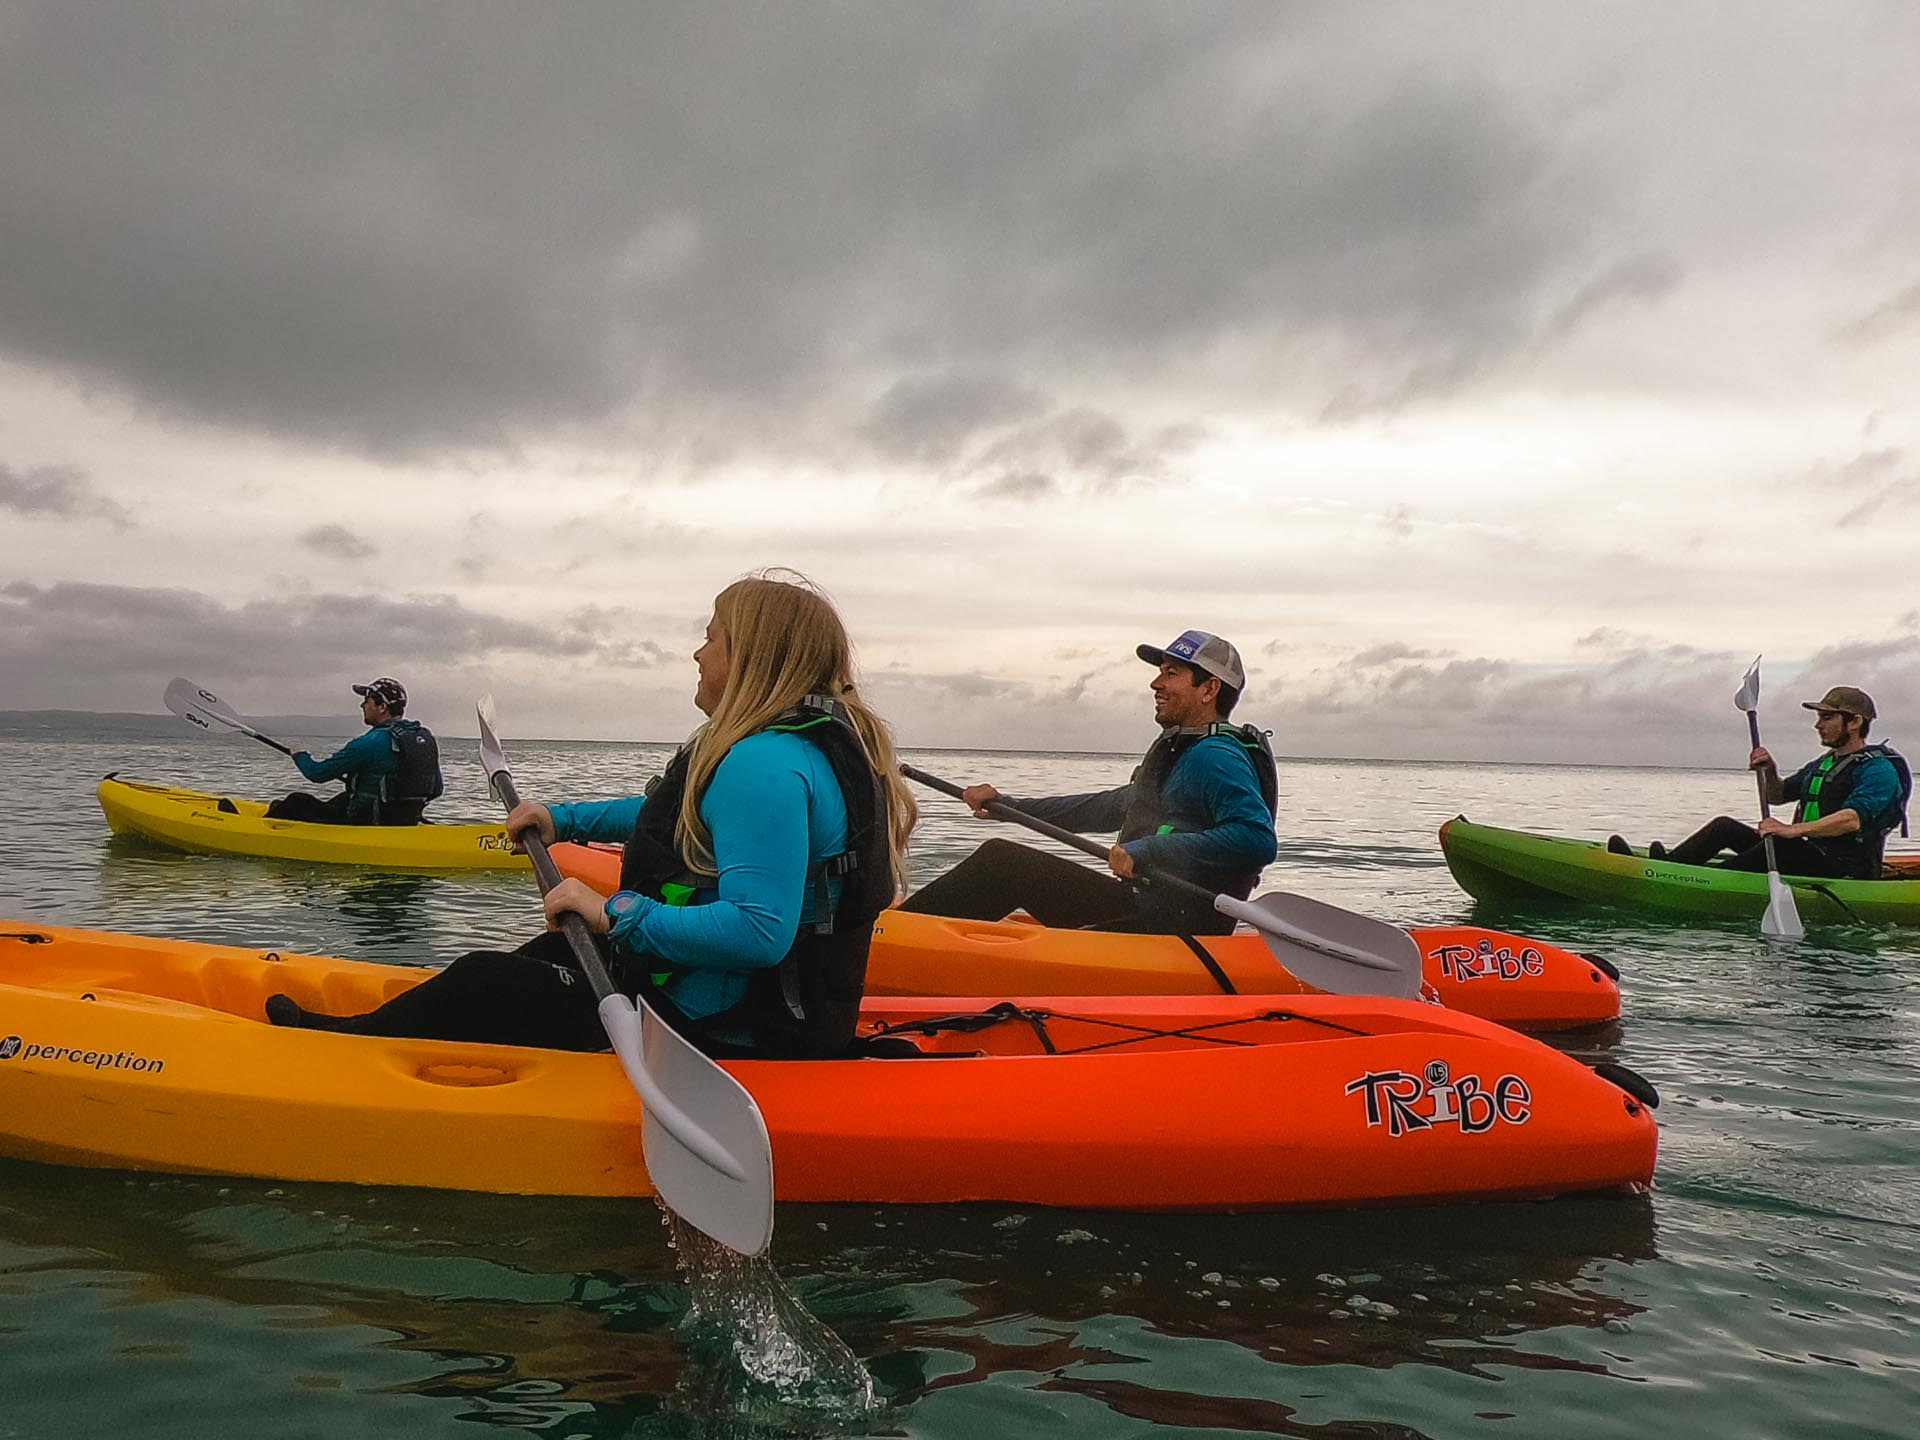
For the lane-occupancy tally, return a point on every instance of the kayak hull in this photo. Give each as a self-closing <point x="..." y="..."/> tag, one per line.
<point x="130" y="1052"/>
<point x="1489" y="973"/>
<point x="195" y="821"/>
<point x="1497" y="865"/>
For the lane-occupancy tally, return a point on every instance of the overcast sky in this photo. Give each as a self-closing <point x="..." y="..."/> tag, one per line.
<point x="1499" y="378"/>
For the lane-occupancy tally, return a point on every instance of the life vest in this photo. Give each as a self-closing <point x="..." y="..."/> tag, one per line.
<point x="807" y="1006"/>
<point x="1146" y="807"/>
<point x="1827" y="790"/>
<point x="367" y="793"/>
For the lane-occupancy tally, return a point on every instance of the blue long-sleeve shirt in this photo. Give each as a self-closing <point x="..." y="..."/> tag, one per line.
<point x="1875" y="795"/>
<point x="774" y="810"/>
<point x="1211" y="798"/>
<point x="363" y="762"/>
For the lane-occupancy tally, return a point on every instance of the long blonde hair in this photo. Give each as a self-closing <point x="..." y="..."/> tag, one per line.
<point x="785" y="641"/>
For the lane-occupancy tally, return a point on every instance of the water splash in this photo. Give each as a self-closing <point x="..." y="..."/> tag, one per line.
<point x="758" y="1362"/>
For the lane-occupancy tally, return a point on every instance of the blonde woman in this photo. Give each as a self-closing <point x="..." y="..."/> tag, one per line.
<point x="753" y="868"/>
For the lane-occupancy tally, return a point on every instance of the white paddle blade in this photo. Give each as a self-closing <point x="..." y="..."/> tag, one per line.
<point x="707" y="1149"/>
<point x="1747" y="697"/>
<point x="1782" y="920"/>
<point x="202" y="707"/>
<point x="492" y="758"/>
<point x="1332" y="949"/>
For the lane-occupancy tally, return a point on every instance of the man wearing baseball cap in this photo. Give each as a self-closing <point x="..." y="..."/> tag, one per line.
<point x="1847" y="801"/>
<point x="391" y="772"/>
<point x="1199" y="806"/>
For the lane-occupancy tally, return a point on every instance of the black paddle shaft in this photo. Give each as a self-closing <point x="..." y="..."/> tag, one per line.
<point x="1000" y="810"/>
<point x="548" y="874"/>
<point x="1766" y="841"/>
<point x="1753" y="729"/>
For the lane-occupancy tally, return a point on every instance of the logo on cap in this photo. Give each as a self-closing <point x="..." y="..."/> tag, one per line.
<point x="1202" y="651"/>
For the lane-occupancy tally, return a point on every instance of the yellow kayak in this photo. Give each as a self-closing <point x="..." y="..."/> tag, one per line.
<point x="220" y="825"/>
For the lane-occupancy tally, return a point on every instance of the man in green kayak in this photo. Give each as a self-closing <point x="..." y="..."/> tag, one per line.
<point x="1847" y="801"/>
<point x="391" y="772"/>
<point x="1199" y="806"/>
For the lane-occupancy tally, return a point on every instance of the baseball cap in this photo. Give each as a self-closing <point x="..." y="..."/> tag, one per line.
<point x="1204" y="652"/>
<point x="389" y="692"/>
<point x="1843" y="697"/>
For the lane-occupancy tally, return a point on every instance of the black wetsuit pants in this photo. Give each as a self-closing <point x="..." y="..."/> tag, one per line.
<point x="536" y="995"/>
<point x="341" y="810"/>
<point x="1796" y="856"/>
<point x="310" y="809"/>
<point x="1002" y="877"/>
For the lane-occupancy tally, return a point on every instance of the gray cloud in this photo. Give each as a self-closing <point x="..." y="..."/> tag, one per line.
<point x="994" y="712"/>
<point x="1899" y="494"/>
<point x="1888" y="669"/>
<point x="339" y="542"/>
<point x="1012" y="442"/>
<point x="936" y="419"/>
<point x="946" y="685"/>
<point x="407" y="230"/>
<point x="1481" y="708"/>
<point x="59" y="492"/>
<point x="1659" y="704"/>
<point x="1641" y="279"/>
<point x="1874" y="481"/>
<point x="603" y="631"/>
<point x="83" y="633"/>
<point x="1890" y="317"/>
<point x="1018" y="485"/>
<point x="1889" y="479"/>
<point x="1080" y="441"/>
<point x="1388" y="653"/>
<point x="1607" y="637"/>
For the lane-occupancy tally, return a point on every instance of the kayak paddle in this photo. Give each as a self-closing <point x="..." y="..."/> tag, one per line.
<point x="1782" y="918"/>
<point x="206" y="709"/>
<point x="1331" y="949"/>
<point x="705" y="1141"/>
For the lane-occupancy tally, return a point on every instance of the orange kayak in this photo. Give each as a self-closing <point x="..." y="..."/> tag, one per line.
<point x="1524" y="983"/>
<point x="148" y="1054"/>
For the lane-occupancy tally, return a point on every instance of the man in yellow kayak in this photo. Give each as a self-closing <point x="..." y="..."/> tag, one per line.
<point x="1199" y="806"/>
<point x="392" y="772"/>
<point x="1848" y="800"/>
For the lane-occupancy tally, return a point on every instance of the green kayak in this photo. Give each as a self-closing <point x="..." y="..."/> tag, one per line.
<point x="1494" y="864"/>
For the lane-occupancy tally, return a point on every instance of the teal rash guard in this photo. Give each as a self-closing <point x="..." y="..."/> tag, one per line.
<point x="1875" y="796"/>
<point x="363" y="762"/>
<point x="1211" y="799"/>
<point x="774" y="811"/>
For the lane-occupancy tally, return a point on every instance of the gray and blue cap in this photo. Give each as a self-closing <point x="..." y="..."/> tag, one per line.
<point x="1204" y="652"/>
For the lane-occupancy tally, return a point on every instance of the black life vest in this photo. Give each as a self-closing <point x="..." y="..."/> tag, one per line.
<point x="1828" y="788"/>
<point x="807" y="1006"/>
<point x="1146" y="809"/>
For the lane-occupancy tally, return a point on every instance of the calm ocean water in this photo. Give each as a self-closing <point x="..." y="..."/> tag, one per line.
<point x="1770" y="1286"/>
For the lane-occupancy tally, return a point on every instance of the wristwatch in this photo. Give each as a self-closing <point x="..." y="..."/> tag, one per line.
<point x="621" y="904"/>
